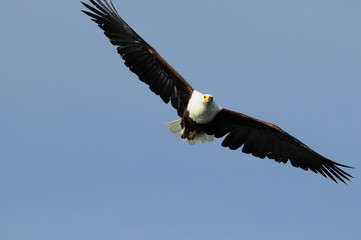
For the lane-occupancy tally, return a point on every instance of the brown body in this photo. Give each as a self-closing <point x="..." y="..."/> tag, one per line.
<point x="189" y="127"/>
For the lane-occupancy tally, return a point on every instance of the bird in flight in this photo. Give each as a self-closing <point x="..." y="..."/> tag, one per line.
<point x="201" y="118"/>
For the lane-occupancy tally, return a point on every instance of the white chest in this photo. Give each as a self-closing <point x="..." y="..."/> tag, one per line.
<point x="200" y="111"/>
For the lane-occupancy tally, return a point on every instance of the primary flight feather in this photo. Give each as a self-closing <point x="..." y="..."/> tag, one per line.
<point x="201" y="118"/>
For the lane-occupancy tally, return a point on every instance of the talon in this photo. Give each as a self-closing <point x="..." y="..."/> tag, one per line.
<point x="183" y="133"/>
<point x="191" y="135"/>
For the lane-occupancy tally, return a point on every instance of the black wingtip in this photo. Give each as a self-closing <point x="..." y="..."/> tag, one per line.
<point x="345" y="166"/>
<point x="84" y="3"/>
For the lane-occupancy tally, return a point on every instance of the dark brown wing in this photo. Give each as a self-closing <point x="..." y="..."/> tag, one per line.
<point x="140" y="57"/>
<point x="263" y="139"/>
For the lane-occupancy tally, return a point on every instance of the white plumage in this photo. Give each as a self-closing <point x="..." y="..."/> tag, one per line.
<point x="199" y="111"/>
<point x="176" y="129"/>
<point x="202" y="112"/>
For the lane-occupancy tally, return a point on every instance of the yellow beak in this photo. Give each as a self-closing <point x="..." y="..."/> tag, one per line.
<point x="207" y="98"/>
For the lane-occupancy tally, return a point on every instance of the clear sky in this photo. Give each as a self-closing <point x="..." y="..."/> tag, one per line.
<point x="85" y="152"/>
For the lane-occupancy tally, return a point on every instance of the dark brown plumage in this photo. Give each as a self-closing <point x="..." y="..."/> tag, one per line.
<point x="140" y="57"/>
<point x="259" y="138"/>
<point x="262" y="139"/>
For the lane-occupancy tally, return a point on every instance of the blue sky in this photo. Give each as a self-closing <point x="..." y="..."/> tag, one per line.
<point x="85" y="152"/>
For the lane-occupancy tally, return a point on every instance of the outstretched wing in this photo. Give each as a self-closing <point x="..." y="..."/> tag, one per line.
<point x="263" y="139"/>
<point x="140" y="57"/>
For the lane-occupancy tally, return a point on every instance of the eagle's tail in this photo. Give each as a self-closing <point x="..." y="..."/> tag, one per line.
<point x="176" y="128"/>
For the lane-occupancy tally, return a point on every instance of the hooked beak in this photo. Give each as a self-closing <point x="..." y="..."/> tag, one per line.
<point x="207" y="98"/>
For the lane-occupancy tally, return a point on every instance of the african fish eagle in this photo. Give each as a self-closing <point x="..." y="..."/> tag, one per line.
<point x="202" y="118"/>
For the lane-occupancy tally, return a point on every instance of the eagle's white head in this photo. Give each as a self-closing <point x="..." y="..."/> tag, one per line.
<point x="207" y="98"/>
<point x="202" y="108"/>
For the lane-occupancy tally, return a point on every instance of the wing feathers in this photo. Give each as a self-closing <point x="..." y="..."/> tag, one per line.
<point x="239" y="138"/>
<point x="262" y="139"/>
<point x="249" y="142"/>
<point x="223" y="130"/>
<point x="140" y="57"/>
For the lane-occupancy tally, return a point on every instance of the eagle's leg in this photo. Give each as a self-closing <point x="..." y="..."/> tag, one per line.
<point x="188" y="130"/>
<point x="187" y="134"/>
<point x="183" y="133"/>
<point x="191" y="135"/>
